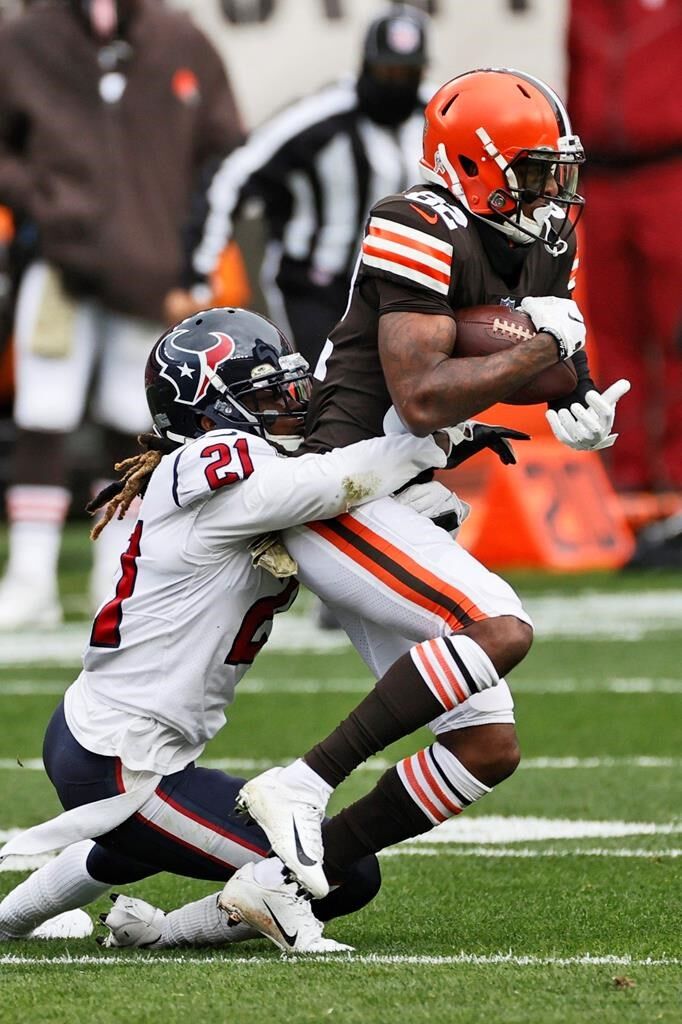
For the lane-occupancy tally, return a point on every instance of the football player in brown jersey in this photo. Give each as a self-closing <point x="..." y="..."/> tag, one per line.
<point x="493" y="223"/>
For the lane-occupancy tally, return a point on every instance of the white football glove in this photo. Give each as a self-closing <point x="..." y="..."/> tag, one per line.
<point x="434" y="501"/>
<point x="558" y="317"/>
<point x="589" y="430"/>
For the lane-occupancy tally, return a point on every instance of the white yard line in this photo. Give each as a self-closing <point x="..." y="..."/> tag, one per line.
<point x="272" y="687"/>
<point x="490" y="836"/>
<point x="459" y="959"/>
<point x="526" y="853"/>
<point x="498" y="829"/>
<point x="488" y="852"/>
<point x="589" y="615"/>
<point x="380" y="764"/>
<point x="483" y="830"/>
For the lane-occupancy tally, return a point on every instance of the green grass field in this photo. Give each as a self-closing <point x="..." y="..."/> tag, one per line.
<point x="557" y="899"/>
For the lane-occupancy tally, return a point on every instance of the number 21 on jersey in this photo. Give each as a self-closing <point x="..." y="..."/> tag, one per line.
<point x="220" y="454"/>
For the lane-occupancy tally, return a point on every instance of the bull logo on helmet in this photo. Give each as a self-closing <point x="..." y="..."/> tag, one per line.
<point x="191" y="370"/>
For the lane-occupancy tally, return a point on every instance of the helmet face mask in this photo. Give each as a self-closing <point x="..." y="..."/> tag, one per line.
<point x="502" y="143"/>
<point x="233" y="367"/>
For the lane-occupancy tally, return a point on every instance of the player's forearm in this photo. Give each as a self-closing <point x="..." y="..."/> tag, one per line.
<point x="458" y="389"/>
<point x="296" y="491"/>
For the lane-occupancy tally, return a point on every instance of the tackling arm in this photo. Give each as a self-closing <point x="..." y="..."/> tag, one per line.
<point x="288" y="492"/>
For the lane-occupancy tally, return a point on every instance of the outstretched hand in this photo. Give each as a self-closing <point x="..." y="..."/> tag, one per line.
<point x="588" y="429"/>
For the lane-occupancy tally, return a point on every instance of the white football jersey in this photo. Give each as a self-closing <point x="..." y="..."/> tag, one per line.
<point x="190" y="612"/>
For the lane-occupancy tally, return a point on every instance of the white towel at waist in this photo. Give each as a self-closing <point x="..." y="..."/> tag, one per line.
<point x="84" y="822"/>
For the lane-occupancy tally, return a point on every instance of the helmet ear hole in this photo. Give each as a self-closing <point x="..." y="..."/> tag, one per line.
<point x="469" y="167"/>
<point x="447" y="105"/>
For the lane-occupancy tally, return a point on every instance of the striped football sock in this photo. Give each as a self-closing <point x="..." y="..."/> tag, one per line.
<point x="431" y="678"/>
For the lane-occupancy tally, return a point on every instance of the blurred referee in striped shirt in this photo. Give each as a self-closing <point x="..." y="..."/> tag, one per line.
<point x="315" y="169"/>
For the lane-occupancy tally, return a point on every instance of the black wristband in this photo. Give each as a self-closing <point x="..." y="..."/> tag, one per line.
<point x="562" y="351"/>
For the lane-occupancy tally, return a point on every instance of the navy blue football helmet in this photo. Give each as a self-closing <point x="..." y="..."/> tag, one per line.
<point x="218" y="363"/>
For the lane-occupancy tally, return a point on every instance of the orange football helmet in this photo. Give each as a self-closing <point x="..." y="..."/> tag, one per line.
<point x="500" y="140"/>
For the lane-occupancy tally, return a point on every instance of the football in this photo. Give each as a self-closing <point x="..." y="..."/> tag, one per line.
<point x="484" y="330"/>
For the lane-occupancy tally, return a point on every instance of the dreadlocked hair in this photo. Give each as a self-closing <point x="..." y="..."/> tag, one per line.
<point x="137" y="471"/>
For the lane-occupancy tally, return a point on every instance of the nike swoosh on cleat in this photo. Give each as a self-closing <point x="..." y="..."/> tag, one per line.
<point x="289" y="939"/>
<point x="432" y="218"/>
<point x="300" y="852"/>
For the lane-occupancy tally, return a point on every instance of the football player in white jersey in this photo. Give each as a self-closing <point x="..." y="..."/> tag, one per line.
<point x="192" y="606"/>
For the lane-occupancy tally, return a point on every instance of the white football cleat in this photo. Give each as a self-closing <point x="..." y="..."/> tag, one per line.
<point x="283" y="913"/>
<point x="131" y="922"/>
<point x="25" y="605"/>
<point x="293" y="824"/>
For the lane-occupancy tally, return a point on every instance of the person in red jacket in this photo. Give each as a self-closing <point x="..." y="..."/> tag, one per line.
<point x="625" y="58"/>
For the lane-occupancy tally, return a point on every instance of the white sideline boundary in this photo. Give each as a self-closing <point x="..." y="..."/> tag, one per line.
<point x="377" y="959"/>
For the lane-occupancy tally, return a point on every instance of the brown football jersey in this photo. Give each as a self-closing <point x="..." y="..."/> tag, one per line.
<point x="421" y="253"/>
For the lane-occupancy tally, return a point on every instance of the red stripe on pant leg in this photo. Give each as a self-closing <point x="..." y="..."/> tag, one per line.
<point x="386" y="577"/>
<point x="412" y="566"/>
<point x="383" y="547"/>
<point x="118" y="774"/>
<point x="210" y="825"/>
<point x="183" y="842"/>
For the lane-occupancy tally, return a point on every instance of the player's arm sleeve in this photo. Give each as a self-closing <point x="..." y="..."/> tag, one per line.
<point x="408" y="260"/>
<point x="288" y="492"/>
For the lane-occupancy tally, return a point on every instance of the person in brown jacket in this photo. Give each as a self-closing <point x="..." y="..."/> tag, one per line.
<point x="113" y="117"/>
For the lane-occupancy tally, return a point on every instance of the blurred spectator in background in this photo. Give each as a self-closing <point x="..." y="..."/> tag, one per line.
<point x="317" y="167"/>
<point x="625" y="62"/>
<point x="112" y="113"/>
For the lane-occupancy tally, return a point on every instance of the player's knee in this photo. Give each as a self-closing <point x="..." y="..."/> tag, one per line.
<point x="493" y="765"/>
<point x="490" y="752"/>
<point x="505" y="639"/>
<point x="360" y="884"/>
<point x="518" y="638"/>
<point x="504" y="759"/>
